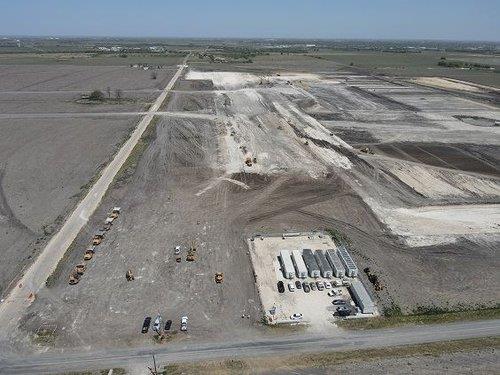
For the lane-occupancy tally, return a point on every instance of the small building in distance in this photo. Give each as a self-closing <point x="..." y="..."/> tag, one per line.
<point x="324" y="266"/>
<point x="286" y="264"/>
<point x="300" y="266"/>
<point x="337" y="266"/>
<point x="311" y="264"/>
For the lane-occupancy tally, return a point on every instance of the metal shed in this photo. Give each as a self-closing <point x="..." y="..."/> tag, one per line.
<point x="300" y="266"/>
<point x="286" y="264"/>
<point x="311" y="264"/>
<point x="361" y="297"/>
<point x="337" y="266"/>
<point x="347" y="261"/>
<point x="324" y="266"/>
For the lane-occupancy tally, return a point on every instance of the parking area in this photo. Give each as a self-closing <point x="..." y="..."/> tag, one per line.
<point x="315" y="301"/>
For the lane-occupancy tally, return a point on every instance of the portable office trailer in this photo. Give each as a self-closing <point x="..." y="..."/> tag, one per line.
<point x="286" y="264"/>
<point x="311" y="264"/>
<point x="300" y="266"/>
<point x="346" y="259"/>
<point x="324" y="266"/>
<point x="337" y="266"/>
<point x="361" y="297"/>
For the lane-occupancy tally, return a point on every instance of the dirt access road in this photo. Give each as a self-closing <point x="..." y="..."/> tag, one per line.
<point x="34" y="279"/>
<point x="140" y="358"/>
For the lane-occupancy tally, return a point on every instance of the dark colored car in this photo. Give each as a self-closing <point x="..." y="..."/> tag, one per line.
<point x="306" y="287"/>
<point x="320" y="285"/>
<point x="281" y="287"/>
<point x="146" y="324"/>
<point x="339" y="302"/>
<point x="168" y="324"/>
<point x="298" y="285"/>
<point x="344" y="311"/>
<point x="313" y="285"/>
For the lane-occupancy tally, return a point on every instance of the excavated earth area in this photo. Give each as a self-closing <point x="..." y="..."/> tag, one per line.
<point x="240" y="153"/>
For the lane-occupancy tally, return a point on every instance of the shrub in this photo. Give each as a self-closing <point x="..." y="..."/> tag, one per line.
<point x="96" y="95"/>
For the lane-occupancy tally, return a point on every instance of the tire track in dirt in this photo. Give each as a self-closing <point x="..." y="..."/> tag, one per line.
<point x="6" y="210"/>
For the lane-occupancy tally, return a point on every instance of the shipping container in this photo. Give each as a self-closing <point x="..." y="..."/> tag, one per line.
<point x="311" y="264"/>
<point x="324" y="266"/>
<point x="346" y="259"/>
<point x="286" y="264"/>
<point x="361" y="297"/>
<point x="300" y="266"/>
<point x="337" y="266"/>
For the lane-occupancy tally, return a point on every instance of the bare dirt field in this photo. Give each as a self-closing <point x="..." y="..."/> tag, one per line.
<point x="241" y="152"/>
<point x="52" y="145"/>
<point x="80" y="77"/>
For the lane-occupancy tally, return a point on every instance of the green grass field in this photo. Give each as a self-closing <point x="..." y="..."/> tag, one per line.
<point x="419" y="64"/>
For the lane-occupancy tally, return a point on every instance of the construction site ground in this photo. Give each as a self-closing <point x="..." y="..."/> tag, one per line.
<point x="302" y="126"/>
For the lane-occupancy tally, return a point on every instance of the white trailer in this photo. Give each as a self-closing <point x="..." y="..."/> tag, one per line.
<point x="300" y="266"/>
<point x="287" y="264"/>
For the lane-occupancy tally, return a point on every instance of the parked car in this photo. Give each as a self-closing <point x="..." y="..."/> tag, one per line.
<point x="313" y="285"/>
<point x="298" y="284"/>
<point x="184" y="323"/>
<point x="281" y="287"/>
<point x="344" y="311"/>
<point x="306" y="287"/>
<point x="168" y="324"/>
<point x="331" y="293"/>
<point x="328" y="285"/>
<point x="296" y="316"/>
<point x="291" y="287"/>
<point x="320" y="285"/>
<point x="157" y="324"/>
<point x="177" y="250"/>
<point x="145" y="325"/>
<point x="339" y="302"/>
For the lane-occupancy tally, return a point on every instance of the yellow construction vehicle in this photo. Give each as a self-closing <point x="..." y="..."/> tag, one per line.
<point x="74" y="278"/>
<point x="98" y="237"/>
<point x="129" y="275"/>
<point x="191" y="253"/>
<point x="219" y="277"/>
<point x="89" y="253"/>
<point x="80" y="268"/>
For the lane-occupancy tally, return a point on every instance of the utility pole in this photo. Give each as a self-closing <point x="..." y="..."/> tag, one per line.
<point x="155" y="371"/>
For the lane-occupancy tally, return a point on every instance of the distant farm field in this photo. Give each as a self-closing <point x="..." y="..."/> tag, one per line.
<point x="419" y="64"/>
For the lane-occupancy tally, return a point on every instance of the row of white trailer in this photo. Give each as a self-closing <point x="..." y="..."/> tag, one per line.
<point x="320" y="263"/>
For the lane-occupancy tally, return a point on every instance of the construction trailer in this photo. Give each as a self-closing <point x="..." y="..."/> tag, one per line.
<point x="311" y="264"/>
<point x="300" y="266"/>
<point x="287" y="264"/>
<point x="361" y="297"/>
<point x="346" y="259"/>
<point x="324" y="266"/>
<point x="335" y="263"/>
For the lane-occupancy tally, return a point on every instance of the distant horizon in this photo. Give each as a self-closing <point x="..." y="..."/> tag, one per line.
<point x="244" y="38"/>
<point x="440" y="20"/>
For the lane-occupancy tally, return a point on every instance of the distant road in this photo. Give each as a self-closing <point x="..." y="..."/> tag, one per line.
<point x="34" y="278"/>
<point x="299" y="343"/>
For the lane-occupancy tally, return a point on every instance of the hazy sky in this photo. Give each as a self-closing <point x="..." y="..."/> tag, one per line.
<point x="400" y="19"/>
